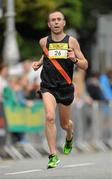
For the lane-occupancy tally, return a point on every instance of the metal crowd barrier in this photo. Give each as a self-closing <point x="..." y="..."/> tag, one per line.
<point x="92" y="131"/>
<point x="93" y="125"/>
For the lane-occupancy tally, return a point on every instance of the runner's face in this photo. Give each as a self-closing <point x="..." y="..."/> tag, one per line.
<point x="56" y="22"/>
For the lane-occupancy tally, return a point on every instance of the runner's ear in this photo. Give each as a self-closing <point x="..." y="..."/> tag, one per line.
<point x="64" y="22"/>
<point x="49" y="25"/>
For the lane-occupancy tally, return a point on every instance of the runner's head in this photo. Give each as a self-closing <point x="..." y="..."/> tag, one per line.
<point x="56" y="22"/>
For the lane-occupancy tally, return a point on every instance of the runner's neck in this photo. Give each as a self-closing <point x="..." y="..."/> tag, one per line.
<point x="58" y="37"/>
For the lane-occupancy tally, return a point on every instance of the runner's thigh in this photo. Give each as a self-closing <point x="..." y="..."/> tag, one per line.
<point x="64" y="112"/>
<point x="49" y="103"/>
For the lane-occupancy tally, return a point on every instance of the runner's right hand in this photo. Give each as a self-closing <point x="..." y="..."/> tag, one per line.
<point x="36" y="65"/>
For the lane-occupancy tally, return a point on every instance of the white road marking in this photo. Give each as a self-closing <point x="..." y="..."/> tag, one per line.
<point x="22" y="172"/>
<point x="79" y="165"/>
<point x="37" y="170"/>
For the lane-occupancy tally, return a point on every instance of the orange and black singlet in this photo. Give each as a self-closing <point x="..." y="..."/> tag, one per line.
<point x="51" y="79"/>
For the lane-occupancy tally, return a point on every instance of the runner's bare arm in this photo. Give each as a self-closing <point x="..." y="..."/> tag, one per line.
<point x="43" y="42"/>
<point x="36" y="64"/>
<point x="75" y="54"/>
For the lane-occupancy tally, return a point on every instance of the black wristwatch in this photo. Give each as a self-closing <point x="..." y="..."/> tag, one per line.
<point x="76" y="61"/>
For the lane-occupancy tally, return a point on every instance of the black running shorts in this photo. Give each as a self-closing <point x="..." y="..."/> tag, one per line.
<point x="63" y="95"/>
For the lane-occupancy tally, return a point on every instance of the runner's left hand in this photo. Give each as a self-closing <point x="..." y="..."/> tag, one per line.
<point x="71" y="54"/>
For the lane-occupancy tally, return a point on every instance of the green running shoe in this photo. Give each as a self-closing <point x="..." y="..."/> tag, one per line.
<point x="53" y="161"/>
<point x="68" y="146"/>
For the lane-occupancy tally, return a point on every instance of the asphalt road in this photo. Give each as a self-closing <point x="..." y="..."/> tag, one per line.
<point x="75" y="166"/>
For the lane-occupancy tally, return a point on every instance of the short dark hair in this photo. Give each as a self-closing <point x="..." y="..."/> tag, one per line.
<point x="55" y="12"/>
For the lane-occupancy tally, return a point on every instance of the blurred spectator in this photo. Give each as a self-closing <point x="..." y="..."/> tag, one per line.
<point x="81" y="92"/>
<point x="16" y="69"/>
<point x="106" y="84"/>
<point x="81" y="109"/>
<point x="16" y="95"/>
<point x="94" y="88"/>
<point x="17" y="92"/>
<point x="3" y="78"/>
<point x="27" y="87"/>
<point x="33" y="78"/>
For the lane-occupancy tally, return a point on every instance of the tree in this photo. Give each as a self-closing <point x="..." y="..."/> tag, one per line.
<point x="31" y="19"/>
<point x="34" y="13"/>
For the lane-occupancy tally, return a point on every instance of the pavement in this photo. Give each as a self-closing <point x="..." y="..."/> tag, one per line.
<point x="93" y="165"/>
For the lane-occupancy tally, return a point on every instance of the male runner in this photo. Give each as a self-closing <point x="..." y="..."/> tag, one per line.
<point x="60" y="53"/>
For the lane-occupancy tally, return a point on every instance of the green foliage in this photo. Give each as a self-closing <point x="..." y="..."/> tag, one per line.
<point x="73" y="13"/>
<point x="31" y="19"/>
<point x="35" y="12"/>
<point x="28" y="48"/>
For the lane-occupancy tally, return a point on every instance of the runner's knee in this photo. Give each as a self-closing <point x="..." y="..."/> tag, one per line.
<point x="50" y="118"/>
<point x="64" y="126"/>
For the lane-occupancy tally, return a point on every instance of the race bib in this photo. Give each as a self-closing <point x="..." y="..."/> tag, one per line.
<point x="58" y="50"/>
